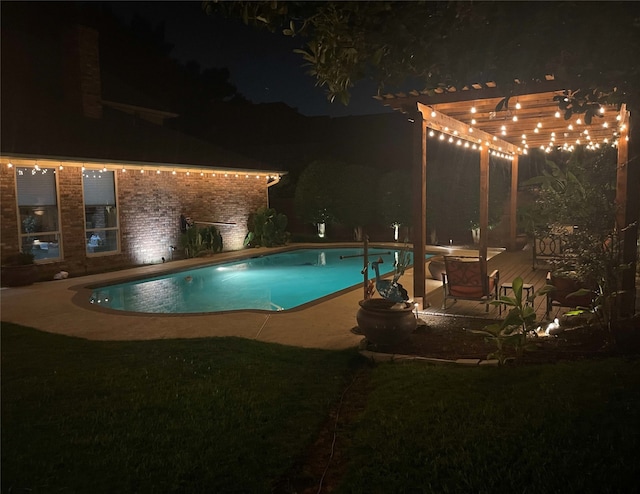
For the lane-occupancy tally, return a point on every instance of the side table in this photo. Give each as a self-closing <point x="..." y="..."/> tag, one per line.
<point x="505" y="287"/>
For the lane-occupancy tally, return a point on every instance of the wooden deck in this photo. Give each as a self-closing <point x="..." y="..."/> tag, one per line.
<point x="510" y="265"/>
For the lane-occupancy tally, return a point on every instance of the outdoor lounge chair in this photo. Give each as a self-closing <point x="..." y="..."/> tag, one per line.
<point x="560" y="295"/>
<point x="463" y="280"/>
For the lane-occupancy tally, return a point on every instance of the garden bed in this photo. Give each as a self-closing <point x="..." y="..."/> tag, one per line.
<point x="451" y="338"/>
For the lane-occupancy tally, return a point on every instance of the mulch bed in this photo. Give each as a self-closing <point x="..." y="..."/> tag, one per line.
<point x="450" y="338"/>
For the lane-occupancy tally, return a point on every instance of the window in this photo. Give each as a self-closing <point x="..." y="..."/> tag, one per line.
<point x="38" y="210"/>
<point x="101" y="218"/>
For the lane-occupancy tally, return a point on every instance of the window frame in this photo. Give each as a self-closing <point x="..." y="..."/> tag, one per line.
<point x="116" y="229"/>
<point x="56" y="233"/>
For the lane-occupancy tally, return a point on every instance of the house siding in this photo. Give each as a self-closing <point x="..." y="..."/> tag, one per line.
<point x="149" y="208"/>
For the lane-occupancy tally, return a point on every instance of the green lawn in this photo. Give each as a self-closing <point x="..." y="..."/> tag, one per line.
<point x="199" y="415"/>
<point x="231" y="415"/>
<point x="563" y="428"/>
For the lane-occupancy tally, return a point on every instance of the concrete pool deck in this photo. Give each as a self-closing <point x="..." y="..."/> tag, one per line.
<point x="62" y="307"/>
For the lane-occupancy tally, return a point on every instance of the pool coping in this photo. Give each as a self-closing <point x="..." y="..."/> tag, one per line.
<point x="49" y="306"/>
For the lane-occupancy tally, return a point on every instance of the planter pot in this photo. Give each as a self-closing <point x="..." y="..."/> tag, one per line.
<point x="382" y="324"/>
<point x="19" y="275"/>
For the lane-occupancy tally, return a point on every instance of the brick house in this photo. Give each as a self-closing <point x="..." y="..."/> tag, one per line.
<point x="89" y="182"/>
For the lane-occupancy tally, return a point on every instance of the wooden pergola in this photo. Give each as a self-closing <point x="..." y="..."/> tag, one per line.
<point x="531" y="119"/>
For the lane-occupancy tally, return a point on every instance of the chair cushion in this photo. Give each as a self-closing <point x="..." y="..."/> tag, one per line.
<point x="464" y="279"/>
<point x="466" y="291"/>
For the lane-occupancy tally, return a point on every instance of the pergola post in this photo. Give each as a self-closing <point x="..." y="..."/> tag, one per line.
<point x="627" y="215"/>
<point x="513" y="203"/>
<point x="419" y="177"/>
<point x="484" y="209"/>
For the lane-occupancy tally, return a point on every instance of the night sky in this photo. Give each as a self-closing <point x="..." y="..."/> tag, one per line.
<point x="262" y="65"/>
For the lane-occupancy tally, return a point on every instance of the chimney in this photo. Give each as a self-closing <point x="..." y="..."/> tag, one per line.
<point x="89" y="65"/>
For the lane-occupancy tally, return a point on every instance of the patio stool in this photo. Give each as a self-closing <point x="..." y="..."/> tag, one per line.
<point x="505" y="287"/>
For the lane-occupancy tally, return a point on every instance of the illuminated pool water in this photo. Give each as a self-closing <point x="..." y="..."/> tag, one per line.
<point x="271" y="282"/>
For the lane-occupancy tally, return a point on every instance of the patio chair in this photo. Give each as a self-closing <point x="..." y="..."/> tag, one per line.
<point x="563" y="287"/>
<point x="462" y="280"/>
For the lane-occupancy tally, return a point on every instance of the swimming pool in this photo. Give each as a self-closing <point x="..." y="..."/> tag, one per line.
<point x="271" y="282"/>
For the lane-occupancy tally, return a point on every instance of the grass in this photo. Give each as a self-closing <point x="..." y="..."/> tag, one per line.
<point x="231" y="415"/>
<point x="202" y="415"/>
<point x="570" y="427"/>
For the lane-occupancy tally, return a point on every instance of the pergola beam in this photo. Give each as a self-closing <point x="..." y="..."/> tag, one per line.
<point x="455" y="128"/>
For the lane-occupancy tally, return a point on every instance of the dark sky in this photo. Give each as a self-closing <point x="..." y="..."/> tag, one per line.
<point x="263" y="66"/>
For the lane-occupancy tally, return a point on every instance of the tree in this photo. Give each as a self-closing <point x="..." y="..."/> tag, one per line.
<point x="579" y="191"/>
<point x="394" y="199"/>
<point x="356" y="197"/>
<point x="432" y="44"/>
<point x="315" y="195"/>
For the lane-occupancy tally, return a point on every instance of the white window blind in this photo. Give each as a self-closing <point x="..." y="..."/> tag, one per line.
<point x="36" y="187"/>
<point x="99" y="188"/>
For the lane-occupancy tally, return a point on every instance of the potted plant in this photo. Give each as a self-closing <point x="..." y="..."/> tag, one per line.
<point x="390" y="319"/>
<point x="19" y="270"/>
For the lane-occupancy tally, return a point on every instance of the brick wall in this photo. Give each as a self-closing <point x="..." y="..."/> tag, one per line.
<point x="149" y="208"/>
<point x="89" y="61"/>
<point x="9" y="240"/>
